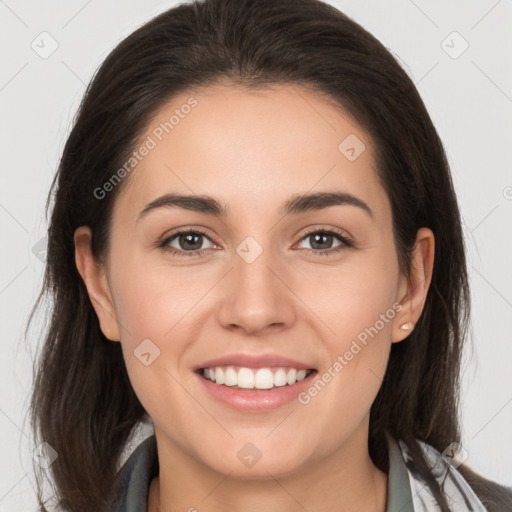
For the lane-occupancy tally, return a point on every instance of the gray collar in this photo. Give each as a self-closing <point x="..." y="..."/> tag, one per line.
<point x="399" y="489"/>
<point x="131" y="489"/>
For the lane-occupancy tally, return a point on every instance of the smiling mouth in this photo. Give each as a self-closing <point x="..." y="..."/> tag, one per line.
<point x="243" y="378"/>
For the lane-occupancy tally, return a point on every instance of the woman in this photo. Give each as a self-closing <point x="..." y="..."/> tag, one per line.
<point x="212" y="144"/>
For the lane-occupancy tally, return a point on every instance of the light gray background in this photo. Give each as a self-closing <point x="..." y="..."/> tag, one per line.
<point x="468" y="97"/>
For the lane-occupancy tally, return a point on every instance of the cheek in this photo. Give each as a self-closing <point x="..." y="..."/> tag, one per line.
<point x="352" y="296"/>
<point x="152" y="314"/>
<point x="147" y="308"/>
<point x="150" y="300"/>
<point x="356" y="304"/>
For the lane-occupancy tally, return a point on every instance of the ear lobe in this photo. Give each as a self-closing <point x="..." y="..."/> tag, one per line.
<point x="414" y="288"/>
<point x="94" y="276"/>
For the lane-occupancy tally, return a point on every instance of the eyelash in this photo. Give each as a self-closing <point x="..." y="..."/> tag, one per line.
<point x="346" y="242"/>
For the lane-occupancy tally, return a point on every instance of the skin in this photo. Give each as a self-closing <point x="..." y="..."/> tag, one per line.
<point x="253" y="150"/>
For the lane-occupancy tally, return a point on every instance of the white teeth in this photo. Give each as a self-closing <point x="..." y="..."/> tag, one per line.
<point x="219" y="376"/>
<point x="249" y="378"/>
<point x="301" y="375"/>
<point x="245" y="378"/>
<point x="291" y="377"/>
<point x="280" y="378"/>
<point x="264" y="379"/>
<point x="230" y="377"/>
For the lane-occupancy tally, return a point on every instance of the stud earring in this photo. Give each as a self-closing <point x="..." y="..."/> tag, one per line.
<point x="406" y="326"/>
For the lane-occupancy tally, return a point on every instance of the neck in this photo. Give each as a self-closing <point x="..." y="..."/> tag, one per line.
<point x="345" y="481"/>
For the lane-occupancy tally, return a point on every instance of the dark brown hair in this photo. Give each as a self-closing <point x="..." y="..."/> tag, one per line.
<point x="83" y="404"/>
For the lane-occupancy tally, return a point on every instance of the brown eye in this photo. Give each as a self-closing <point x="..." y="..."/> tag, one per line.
<point x="190" y="241"/>
<point x="321" y="241"/>
<point x="185" y="243"/>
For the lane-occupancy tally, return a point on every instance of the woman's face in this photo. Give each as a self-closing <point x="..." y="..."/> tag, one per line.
<point x="256" y="283"/>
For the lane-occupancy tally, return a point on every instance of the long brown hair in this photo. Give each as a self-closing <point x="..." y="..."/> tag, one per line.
<point x="83" y="404"/>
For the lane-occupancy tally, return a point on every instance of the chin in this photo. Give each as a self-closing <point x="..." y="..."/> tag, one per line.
<point x="250" y="464"/>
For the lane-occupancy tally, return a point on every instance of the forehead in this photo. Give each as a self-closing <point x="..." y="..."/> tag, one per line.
<point x="253" y="147"/>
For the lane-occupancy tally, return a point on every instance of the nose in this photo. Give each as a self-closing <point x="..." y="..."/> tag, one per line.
<point x="256" y="297"/>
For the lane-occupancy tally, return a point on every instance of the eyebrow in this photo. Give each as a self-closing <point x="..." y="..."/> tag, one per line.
<point x="298" y="203"/>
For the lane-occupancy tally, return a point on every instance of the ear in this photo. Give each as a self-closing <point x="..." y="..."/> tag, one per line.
<point x="95" y="278"/>
<point x="412" y="291"/>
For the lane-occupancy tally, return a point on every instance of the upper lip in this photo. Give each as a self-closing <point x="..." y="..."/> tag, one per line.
<point x="254" y="361"/>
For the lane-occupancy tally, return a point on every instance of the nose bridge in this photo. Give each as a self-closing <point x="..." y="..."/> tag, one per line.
<point x="256" y="297"/>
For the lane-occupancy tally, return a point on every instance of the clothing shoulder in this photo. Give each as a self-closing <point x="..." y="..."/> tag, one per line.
<point x="452" y="483"/>
<point x="130" y="491"/>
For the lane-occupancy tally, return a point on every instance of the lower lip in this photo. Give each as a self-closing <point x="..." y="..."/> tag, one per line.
<point x="255" y="400"/>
